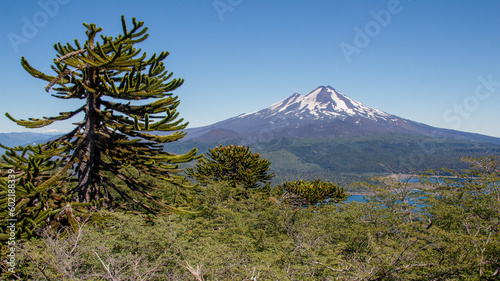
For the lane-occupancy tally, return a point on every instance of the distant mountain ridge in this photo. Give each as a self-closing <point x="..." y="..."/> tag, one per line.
<point x="24" y="138"/>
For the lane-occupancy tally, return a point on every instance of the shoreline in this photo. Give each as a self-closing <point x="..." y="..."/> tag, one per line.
<point x="397" y="177"/>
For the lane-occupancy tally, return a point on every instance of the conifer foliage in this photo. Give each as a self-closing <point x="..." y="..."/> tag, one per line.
<point x="27" y="205"/>
<point x="234" y="164"/>
<point x="116" y="83"/>
<point x="313" y="192"/>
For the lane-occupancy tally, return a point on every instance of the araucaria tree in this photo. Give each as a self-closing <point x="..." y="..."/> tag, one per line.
<point x="116" y="141"/>
<point x="234" y="164"/>
<point x="300" y="193"/>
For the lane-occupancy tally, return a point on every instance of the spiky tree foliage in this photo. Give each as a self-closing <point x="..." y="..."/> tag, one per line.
<point x="115" y="82"/>
<point x="234" y="164"/>
<point x="25" y="206"/>
<point x="312" y="192"/>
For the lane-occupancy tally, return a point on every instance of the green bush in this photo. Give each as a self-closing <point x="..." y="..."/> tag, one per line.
<point x="234" y="164"/>
<point x="312" y="192"/>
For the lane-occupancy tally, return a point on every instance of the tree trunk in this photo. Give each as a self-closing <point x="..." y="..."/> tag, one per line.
<point x="88" y="171"/>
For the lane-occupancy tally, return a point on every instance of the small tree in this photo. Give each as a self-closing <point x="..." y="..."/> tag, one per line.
<point x="235" y="164"/>
<point x="312" y="192"/>
<point x="113" y="79"/>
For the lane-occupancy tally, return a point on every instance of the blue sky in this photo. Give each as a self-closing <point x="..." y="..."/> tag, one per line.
<point x="435" y="62"/>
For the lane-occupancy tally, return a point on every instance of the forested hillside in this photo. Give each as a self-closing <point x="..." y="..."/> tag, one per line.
<point x="349" y="159"/>
<point x="401" y="233"/>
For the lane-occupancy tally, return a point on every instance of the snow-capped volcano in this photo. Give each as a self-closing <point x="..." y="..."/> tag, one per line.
<point x="326" y="134"/>
<point x="323" y="102"/>
<point x="322" y="113"/>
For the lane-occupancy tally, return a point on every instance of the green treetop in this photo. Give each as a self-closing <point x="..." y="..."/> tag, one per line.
<point x="300" y="193"/>
<point x="234" y="164"/>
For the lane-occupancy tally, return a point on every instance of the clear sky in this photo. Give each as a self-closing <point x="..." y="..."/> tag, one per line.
<point x="435" y="62"/>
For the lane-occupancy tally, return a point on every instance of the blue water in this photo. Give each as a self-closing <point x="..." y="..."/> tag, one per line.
<point x="356" y="198"/>
<point x="362" y="199"/>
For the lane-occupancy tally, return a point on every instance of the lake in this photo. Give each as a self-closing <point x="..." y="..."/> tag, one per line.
<point x="356" y="198"/>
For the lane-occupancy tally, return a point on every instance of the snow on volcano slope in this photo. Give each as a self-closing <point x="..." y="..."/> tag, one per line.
<point x="321" y="103"/>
